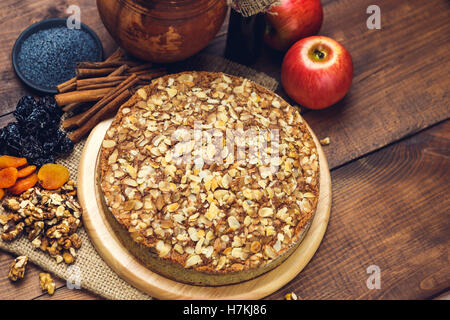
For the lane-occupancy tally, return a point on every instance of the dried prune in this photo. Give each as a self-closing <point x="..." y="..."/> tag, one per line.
<point x="63" y="144"/>
<point x="34" y="115"/>
<point x="36" y="134"/>
<point x="12" y="139"/>
<point x="24" y="108"/>
<point x="37" y="120"/>
<point x="32" y="147"/>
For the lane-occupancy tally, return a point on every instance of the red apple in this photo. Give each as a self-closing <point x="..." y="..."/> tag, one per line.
<point x="291" y="21"/>
<point x="317" y="72"/>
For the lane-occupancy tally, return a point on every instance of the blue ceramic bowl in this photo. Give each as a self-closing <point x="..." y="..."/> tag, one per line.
<point x="43" y="25"/>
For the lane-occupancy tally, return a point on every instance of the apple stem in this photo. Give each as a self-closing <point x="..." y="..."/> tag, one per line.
<point x="319" y="54"/>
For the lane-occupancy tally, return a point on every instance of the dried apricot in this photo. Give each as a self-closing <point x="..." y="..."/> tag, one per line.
<point x="26" y="171"/>
<point x="9" y="161"/>
<point x="8" y="177"/>
<point x="24" y="184"/>
<point x="53" y="176"/>
<point x="2" y="193"/>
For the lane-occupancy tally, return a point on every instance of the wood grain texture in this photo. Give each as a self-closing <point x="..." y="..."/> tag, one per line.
<point x="108" y="245"/>
<point x="400" y="87"/>
<point x="27" y="288"/>
<point x="443" y="296"/>
<point x="390" y="209"/>
<point x="401" y="74"/>
<point x="63" y="293"/>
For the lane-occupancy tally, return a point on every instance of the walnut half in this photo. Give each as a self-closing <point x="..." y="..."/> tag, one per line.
<point x="49" y="219"/>
<point x="46" y="282"/>
<point x="17" y="268"/>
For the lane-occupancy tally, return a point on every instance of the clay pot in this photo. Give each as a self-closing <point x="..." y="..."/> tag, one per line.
<point x="162" y="30"/>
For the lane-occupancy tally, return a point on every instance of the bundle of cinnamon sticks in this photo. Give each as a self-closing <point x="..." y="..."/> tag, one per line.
<point x="100" y="88"/>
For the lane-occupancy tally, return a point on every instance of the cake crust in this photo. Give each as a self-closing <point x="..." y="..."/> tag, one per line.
<point x="208" y="204"/>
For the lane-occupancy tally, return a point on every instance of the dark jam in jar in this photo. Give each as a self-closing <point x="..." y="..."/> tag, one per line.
<point x="245" y="37"/>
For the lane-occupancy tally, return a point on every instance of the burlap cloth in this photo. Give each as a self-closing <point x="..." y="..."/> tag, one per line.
<point x="95" y="275"/>
<point x="251" y="7"/>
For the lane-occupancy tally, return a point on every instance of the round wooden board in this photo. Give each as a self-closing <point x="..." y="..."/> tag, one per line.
<point x="132" y="271"/>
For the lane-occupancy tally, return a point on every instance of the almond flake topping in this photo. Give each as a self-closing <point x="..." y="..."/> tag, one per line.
<point x="211" y="171"/>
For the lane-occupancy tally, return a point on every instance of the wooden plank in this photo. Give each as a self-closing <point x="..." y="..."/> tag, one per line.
<point x="63" y="293"/>
<point x="17" y="16"/>
<point x="390" y="209"/>
<point x="102" y="235"/>
<point x="400" y="87"/>
<point x="401" y="74"/>
<point x="393" y="84"/>
<point x="443" y="296"/>
<point x="27" y="288"/>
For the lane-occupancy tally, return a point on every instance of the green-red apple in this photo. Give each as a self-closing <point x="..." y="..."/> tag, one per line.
<point x="317" y="72"/>
<point x="291" y="21"/>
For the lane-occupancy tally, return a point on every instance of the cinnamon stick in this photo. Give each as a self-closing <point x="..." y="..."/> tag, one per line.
<point x="104" y="71"/>
<point x="119" y="71"/>
<point x="72" y="106"/>
<point x="87" y="73"/>
<point x="105" y="64"/>
<point x="113" y="79"/>
<point x="151" y="75"/>
<point x="85" y="82"/>
<point x="124" y="86"/>
<point x="151" y="71"/>
<point x="71" y="123"/>
<point x="141" y="67"/>
<point x="66" y="98"/>
<point x="106" y="84"/>
<point x="108" y="110"/>
<point x="116" y="55"/>
<point x="67" y="86"/>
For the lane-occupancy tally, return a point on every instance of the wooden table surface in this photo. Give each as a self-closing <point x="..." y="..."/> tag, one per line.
<point x="389" y="153"/>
